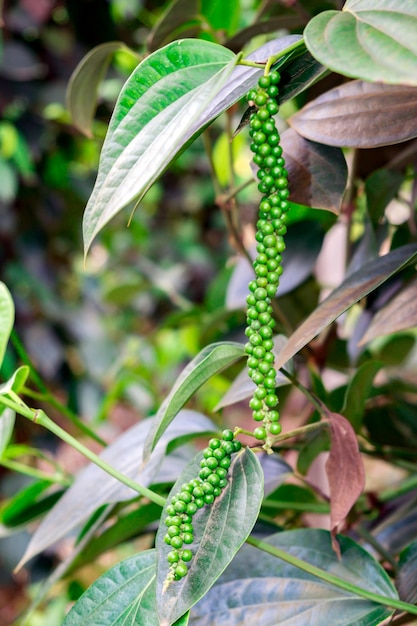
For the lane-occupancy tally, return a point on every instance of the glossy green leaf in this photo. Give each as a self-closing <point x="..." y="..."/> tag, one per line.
<point x="258" y="588"/>
<point x="175" y="19"/>
<point x="6" y="318"/>
<point x="317" y="173"/>
<point x="7" y="420"/>
<point x="358" y="392"/>
<point x="123" y="596"/>
<point x="374" y="41"/>
<point x="84" y="83"/>
<point x="93" y="487"/>
<point x="210" y="361"/>
<point x="356" y="286"/>
<point x="219" y="529"/>
<point x="158" y="105"/>
<point x="15" y="382"/>
<point x="28" y="503"/>
<point x="360" y="115"/>
<point x="399" y="314"/>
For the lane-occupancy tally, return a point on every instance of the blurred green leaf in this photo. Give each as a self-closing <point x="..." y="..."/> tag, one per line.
<point x="222" y="16"/>
<point x="221" y="528"/>
<point x="358" y="391"/>
<point x="367" y="40"/>
<point x="28" y="503"/>
<point x="407" y="574"/>
<point x="84" y="83"/>
<point x="179" y="15"/>
<point x="6" y="318"/>
<point x="7" y="420"/>
<point x="381" y="187"/>
<point x="16" y="382"/>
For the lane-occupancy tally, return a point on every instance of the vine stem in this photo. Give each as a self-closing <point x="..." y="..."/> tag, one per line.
<point x="330" y="578"/>
<point x="39" y="417"/>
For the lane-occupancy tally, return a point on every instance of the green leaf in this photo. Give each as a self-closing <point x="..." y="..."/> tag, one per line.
<point x="9" y="181"/>
<point x="282" y="22"/>
<point x="258" y="588"/>
<point x="360" y="115"/>
<point x="358" y="392"/>
<point x="28" y="503"/>
<point x="380" y="188"/>
<point x="374" y="41"/>
<point x="7" y="419"/>
<point x="356" y="286"/>
<point x="219" y="529"/>
<point x="6" y="318"/>
<point x="210" y="361"/>
<point x="84" y="83"/>
<point x="158" y="105"/>
<point x="15" y="382"/>
<point x="179" y="16"/>
<point x="93" y="487"/>
<point x="123" y="596"/>
<point x="222" y="16"/>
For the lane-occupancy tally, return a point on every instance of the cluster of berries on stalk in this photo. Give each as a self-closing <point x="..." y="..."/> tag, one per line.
<point x="270" y="231"/>
<point x="194" y="495"/>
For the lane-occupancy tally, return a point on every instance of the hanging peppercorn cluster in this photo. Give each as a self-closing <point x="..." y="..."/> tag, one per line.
<point x="211" y="481"/>
<point x="271" y="228"/>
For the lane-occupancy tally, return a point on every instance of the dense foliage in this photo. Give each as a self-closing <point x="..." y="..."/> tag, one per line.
<point x="239" y="366"/>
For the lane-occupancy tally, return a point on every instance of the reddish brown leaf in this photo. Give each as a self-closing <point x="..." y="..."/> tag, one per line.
<point x="360" y="115"/>
<point x="344" y="469"/>
<point x="317" y="173"/>
<point x="399" y="314"/>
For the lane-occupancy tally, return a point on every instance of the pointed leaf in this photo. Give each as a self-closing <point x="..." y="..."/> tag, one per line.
<point x="407" y="574"/>
<point x="7" y="419"/>
<point x="344" y="469"/>
<point x="85" y="81"/>
<point x="258" y="588"/>
<point x="368" y="40"/>
<point x="123" y="596"/>
<point x="356" y="286"/>
<point x="16" y="382"/>
<point x="6" y="318"/>
<point x="93" y="487"/>
<point x="358" y="392"/>
<point x="399" y="314"/>
<point x="360" y="115"/>
<point x="219" y="530"/>
<point x="158" y="104"/>
<point x="211" y="360"/>
<point x="317" y="173"/>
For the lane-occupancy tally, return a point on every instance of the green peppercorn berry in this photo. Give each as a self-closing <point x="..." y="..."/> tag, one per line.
<point x="187" y="538"/>
<point x="264" y="82"/>
<point x="225" y="463"/>
<point x="209" y="498"/>
<point x="259" y="433"/>
<point x="173" y="557"/>
<point x="187" y="528"/>
<point x="176" y="542"/>
<point x="199" y="502"/>
<point x="214" y="443"/>
<point x="186" y="555"/>
<point x="180" y="571"/>
<point x="275" y="428"/>
<point x="217" y="492"/>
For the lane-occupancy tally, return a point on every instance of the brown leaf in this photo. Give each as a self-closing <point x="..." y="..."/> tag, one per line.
<point x="355" y="287"/>
<point x="344" y="469"/>
<point x="317" y="173"/>
<point x="358" y="114"/>
<point x="399" y="314"/>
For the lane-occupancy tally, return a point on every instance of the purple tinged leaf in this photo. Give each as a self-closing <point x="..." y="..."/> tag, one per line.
<point x="360" y="115"/>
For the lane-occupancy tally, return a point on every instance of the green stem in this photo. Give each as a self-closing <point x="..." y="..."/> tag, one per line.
<point x="299" y="431"/>
<point x="39" y="417"/>
<point x="316" y="402"/>
<point x="33" y="472"/>
<point x="330" y="578"/>
<point x="259" y="65"/>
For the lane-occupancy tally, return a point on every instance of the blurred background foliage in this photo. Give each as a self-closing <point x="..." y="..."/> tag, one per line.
<point x="110" y="338"/>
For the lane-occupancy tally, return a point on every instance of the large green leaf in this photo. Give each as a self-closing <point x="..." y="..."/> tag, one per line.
<point x="356" y="286"/>
<point x="123" y="596"/>
<point x="375" y="41"/>
<point x="6" y="318"/>
<point x="84" y="83"/>
<point x="258" y="588"/>
<point x="93" y="487"/>
<point x="157" y="106"/>
<point x="360" y="115"/>
<point x="211" y="360"/>
<point x="219" y="529"/>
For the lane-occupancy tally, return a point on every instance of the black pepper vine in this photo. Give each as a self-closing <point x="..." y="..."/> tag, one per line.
<point x="271" y="228"/>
